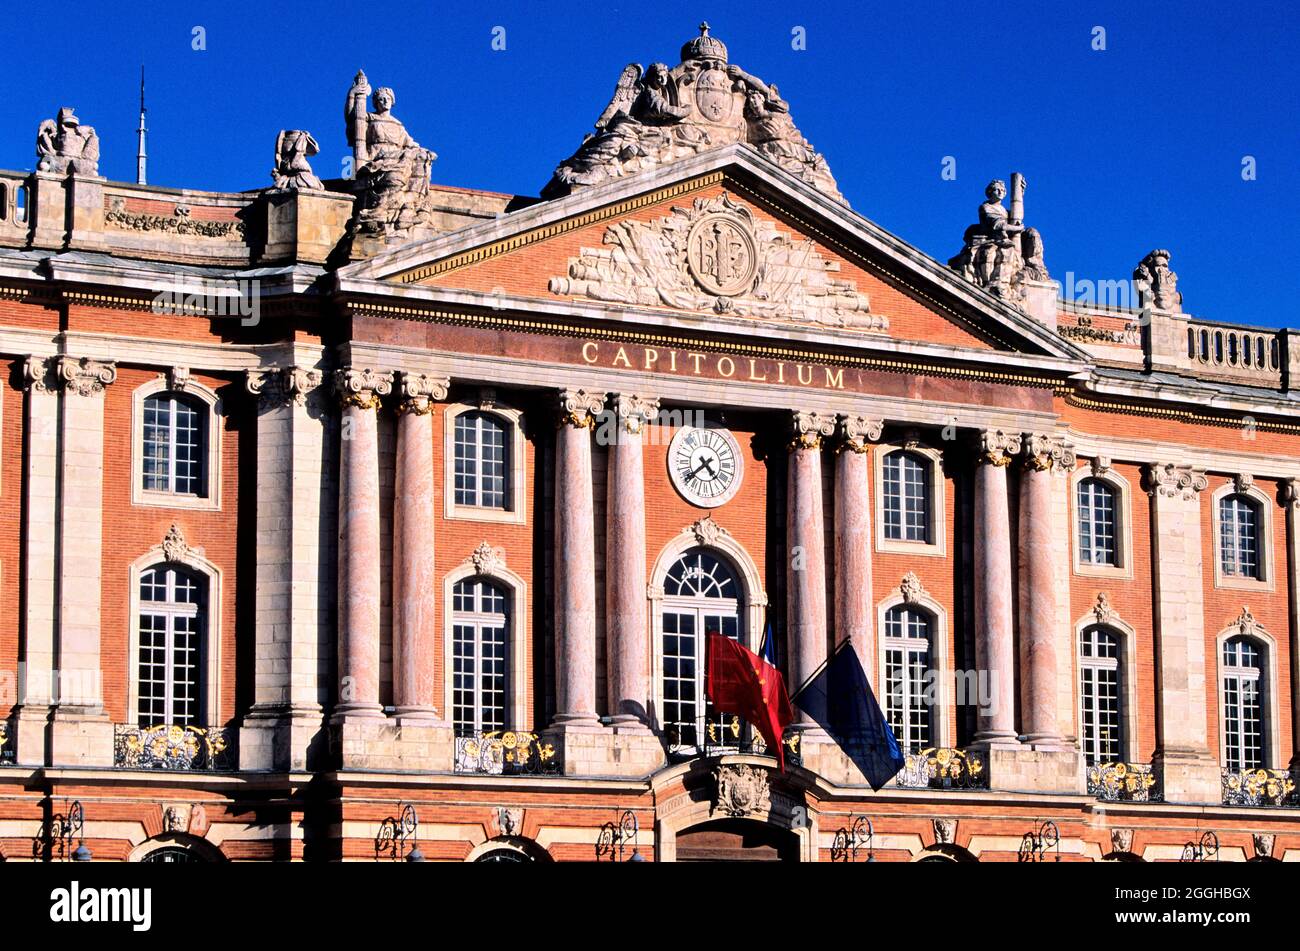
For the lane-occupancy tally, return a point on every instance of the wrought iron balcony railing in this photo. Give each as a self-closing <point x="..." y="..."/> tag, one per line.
<point x="7" y="751"/>
<point x="942" y="767"/>
<point x="506" y="753"/>
<point x="1259" y="787"/>
<point x="1124" y="782"/>
<point x="718" y="736"/>
<point x="169" y="746"/>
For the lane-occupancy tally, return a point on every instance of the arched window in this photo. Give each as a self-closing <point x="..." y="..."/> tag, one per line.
<point x="480" y="624"/>
<point x="701" y="596"/>
<point x="907" y="502"/>
<point x="1100" y="696"/>
<point x="907" y="665"/>
<point x="170" y="666"/>
<point x="1097" y="523"/>
<point x="1242" y="674"/>
<point x="482" y="464"/>
<point x="1239" y="535"/>
<point x="175" y="439"/>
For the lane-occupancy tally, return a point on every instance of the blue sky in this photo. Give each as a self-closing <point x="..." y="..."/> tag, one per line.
<point x="1133" y="147"/>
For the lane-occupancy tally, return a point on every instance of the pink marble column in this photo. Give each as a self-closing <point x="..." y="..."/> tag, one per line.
<point x="575" y="558"/>
<point x="1291" y="498"/>
<point x="358" y="553"/>
<point x="1042" y="548"/>
<point x="806" y="558"/>
<point x="853" y="598"/>
<point x="415" y="588"/>
<point x="995" y="640"/>
<point x="626" y="627"/>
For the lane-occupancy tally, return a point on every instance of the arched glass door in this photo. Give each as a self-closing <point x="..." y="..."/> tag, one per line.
<point x="701" y="595"/>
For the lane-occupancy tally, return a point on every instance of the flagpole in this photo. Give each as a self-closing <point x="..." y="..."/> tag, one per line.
<point x="822" y="666"/>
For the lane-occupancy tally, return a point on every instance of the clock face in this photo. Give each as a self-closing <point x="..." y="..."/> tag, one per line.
<point x="705" y="465"/>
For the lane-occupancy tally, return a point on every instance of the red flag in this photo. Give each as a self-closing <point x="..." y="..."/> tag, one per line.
<point x="739" y="681"/>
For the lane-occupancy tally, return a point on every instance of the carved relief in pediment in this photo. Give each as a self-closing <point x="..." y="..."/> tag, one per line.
<point x="718" y="257"/>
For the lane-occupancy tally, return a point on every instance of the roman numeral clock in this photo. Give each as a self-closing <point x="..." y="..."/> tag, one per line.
<point x="705" y="465"/>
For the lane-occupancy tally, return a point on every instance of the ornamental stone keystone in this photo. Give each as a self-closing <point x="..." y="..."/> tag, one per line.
<point x="486" y="559"/>
<point x="174" y="546"/>
<point x="1100" y="465"/>
<point x="810" y="428"/>
<point x="579" y="408"/>
<point x="635" y="411"/>
<point x="84" y="376"/>
<point x="857" y="431"/>
<point x="911" y="588"/>
<point x="1121" y="840"/>
<point x="1102" y="610"/>
<point x="362" y="387"/>
<point x="1243" y="482"/>
<point x="945" y="831"/>
<point x="419" y="390"/>
<point x="1172" y="481"/>
<point x="1263" y="843"/>
<point x="1245" y="623"/>
<point x="178" y="378"/>
<point x="1045" y="452"/>
<point x="997" y="447"/>
<point x="707" y="532"/>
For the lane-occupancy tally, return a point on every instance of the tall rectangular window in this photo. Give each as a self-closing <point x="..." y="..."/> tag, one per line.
<point x="907" y="497"/>
<point x="169" y="666"/>
<point x="907" y="662"/>
<point x="1243" y="705"/>
<point x="1239" y="536"/>
<point x="1097" y="523"/>
<point x="481" y="472"/>
<point x="480" y="661"/>
<point x="1099" y="697"/>
<point x="173" y="445"/>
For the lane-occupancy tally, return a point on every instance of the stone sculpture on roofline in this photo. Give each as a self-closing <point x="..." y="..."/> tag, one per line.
<point x="663" y="114"/>
<point x="1000" y="254"/>
<point x="65" y="145"/>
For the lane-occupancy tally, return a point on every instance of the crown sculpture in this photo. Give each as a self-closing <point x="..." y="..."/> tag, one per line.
<point x="661" y="115"/>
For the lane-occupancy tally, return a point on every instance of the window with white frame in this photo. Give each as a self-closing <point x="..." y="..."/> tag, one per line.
<point x="1100" y="693"/>
<point x="701" y="597"/>
<point x="175" y="438"/>
<point x="907" y="497"/>
<point x="1239" y="536"/>
<point x="482" y="464"/>
<point x="170" y="664"/>
<point x="907" y="664"/>
<point x="1097" y="507"/>
<point x="1243" y="704"/>
<point x="480" y="626"/>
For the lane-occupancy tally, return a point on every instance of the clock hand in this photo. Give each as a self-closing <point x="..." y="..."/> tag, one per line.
<point x="706" y="465"/>
<point x="703" y="463"/>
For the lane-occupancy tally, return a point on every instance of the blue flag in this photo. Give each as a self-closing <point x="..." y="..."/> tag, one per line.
<point x="839" y="699"/>
<point x="768" y="650"/>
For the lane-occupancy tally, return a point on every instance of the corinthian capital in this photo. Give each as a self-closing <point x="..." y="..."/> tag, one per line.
<point x="84" y="377"/>
<point x="1045" y="452"/>
<point x="1172" y="481"/>
<point x="997" y="447"/>
<point x="810" y="428"/>
<point x="580" y="408"/>
<point x="857" y="431"/>
<point x="634" y="412"/>
<point x="361" y="386"/>
<point x="418" y="390"/>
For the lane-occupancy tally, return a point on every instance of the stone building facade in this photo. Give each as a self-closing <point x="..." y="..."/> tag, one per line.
<point x="352" y="517"/>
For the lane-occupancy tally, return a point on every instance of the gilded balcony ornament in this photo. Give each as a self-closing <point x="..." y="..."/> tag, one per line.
<point x="1259" y="787"/>
<point x="505" y="753"/>
<point x="170" y="746"/>
<point x="942" y="768"/>
<point x="1123" y="782"/>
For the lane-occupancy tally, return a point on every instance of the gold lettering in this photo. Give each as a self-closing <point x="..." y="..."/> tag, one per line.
<point x="799" y="367"/>
<point x="753" y="372"/>
<point x="835" y="378"/>
<point x="622" y="355"/>
<point x="651" y="357"/>
<point x="595" y="351"/>
<point x="780" y="373"/>
<point x="672" y="361"/>
<point x="731" y="366"/>
<point x="697" y="357"/>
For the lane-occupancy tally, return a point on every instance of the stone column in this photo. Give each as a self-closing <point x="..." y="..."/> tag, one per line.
<point x="1291" y="496"/>
<point x="295" y="540"/>
<point x="359" y="573"/>
<point x="575" y="560"/>
<point x="806" y="558"/>
<point x="40" y="499"/>
<point x="854" y="603"/>
<point x="627" y="629"/>
<point x="994" y="631"/>
<point x="415" y="588"/>
<point x="1046" y="457"/>
<point x="81" y="733"/>
<point x="1189" y="771"/>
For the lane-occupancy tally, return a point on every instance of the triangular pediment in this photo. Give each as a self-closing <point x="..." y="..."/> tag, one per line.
<point x="726" y="242"/>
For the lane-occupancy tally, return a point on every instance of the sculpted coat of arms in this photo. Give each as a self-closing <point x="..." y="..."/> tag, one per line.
<point x="717" y="256"/>
<point x="742" y="791"/>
